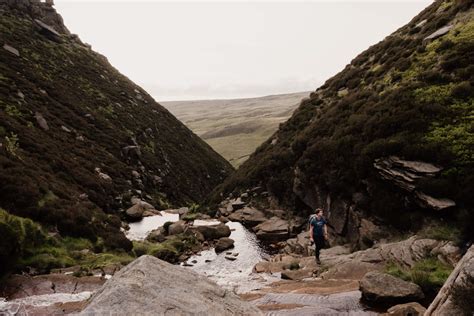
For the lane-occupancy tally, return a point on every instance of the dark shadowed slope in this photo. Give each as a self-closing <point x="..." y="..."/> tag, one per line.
<point x="390" y="138"/>
<point x="78" y="139"/>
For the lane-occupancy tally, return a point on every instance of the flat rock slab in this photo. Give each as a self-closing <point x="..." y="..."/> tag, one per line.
<point x="149" y="286"/>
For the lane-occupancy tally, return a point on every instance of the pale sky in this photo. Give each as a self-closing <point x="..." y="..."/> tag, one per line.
<point x="231" y="49"/>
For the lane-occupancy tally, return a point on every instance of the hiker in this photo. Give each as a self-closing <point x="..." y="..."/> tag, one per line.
<point x="318" y="231"/>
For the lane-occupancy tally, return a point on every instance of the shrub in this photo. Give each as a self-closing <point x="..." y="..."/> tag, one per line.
<point x="429" y="273"/>
<point x="19" y="236"/>
<point x="294" y="266"/>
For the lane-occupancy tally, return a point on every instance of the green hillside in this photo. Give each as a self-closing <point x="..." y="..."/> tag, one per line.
<point x="406" y="103"/>
<point x="78" y="139"/>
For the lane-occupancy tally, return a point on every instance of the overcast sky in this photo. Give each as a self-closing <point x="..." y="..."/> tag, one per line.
<point x="231" y="49"/>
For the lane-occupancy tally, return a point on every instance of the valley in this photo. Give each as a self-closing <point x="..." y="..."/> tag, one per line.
<point x="109" y="204"/>
<point x="236" y="127"/>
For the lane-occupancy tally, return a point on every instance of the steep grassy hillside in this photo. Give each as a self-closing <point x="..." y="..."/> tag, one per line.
<point x="236" y="127"/>
<point x="390" y="138"/>
<point x="78" y="139"/>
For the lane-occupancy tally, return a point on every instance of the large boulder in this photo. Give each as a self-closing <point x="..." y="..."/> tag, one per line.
<point x="248" y="216"/>
<point x="443" y="304"/>
<point x="149" y="286"/>
<point x="382" y="288"/>
<point x="273" y="230"/>
<point x="176" y="228"/>
<point x="138" y="209"/>
<point x="211" y="232"/>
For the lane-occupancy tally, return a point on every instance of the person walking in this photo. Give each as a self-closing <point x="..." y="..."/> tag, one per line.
<point x="318" y="231"/>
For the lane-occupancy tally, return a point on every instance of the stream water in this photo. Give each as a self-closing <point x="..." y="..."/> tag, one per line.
<point x="139" y="230"/>
<point x="234" y="274"/>
<point x="230" y="269"/>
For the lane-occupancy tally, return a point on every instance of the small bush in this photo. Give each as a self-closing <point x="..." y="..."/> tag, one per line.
<point x="294" y="266"/>
<point x="430" y="274"/>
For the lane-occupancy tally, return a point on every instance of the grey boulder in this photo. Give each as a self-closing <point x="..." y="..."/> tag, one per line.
<point x="382" y="288"/>
<point x="149" y="286"/>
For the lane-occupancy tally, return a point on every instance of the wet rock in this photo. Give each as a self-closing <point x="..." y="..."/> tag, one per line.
<point x="443" y="303"/>
<point x="230" y="258"/>
<point x="273" y="230"/>
<point x="224" y="243"/>
<point x="213" y="231"/>
<point x="41" y="121"/>
<point x="149" y="284"/>
<point x="381" y="288"/>
<point x="408" y="309"/>
<point x="11" y="50"/>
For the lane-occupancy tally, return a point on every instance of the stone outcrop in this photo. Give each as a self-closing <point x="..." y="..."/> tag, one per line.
<point x="443" y="303"/>
<point x="404" y="253"/>
<point x="342" y="264"/>
<point x="272" y="230"/>
<point x="210" y="232"/>
<point x="149" y="286"/>
<point x="405" y="174"/>
<point x="382" y="288"/>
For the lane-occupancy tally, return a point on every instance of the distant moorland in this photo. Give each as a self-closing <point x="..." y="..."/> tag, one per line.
<point x="236" y="127"/>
